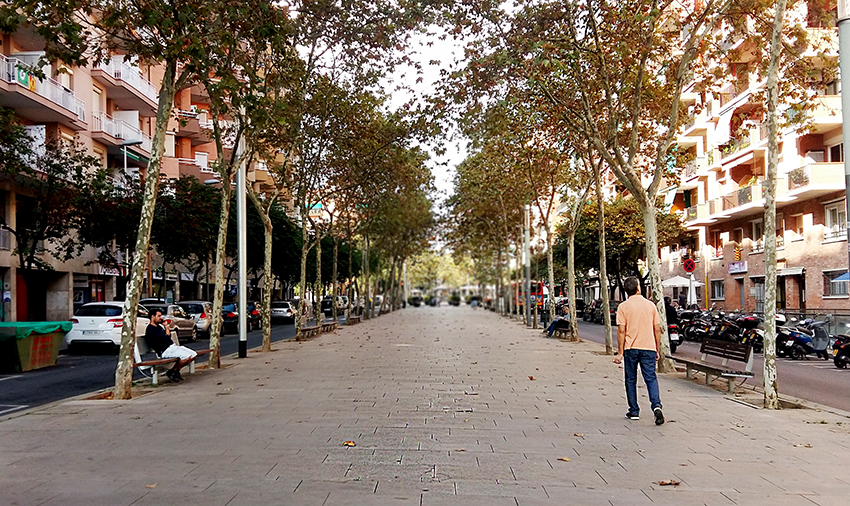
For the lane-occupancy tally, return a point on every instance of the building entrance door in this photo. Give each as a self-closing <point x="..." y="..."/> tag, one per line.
<point x="780" y="292"/>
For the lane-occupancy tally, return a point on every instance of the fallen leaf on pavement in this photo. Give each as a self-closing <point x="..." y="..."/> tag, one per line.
<point x="349" y="444"/>
<point x="532" y="378"/>
<point x="807" y="445"/>
<point x="666" y="483"/>
<point x="578" y="434"/>
<point x="550" y="400"/>
<point x="564" y="459"/>
<point x="461" y="450"/>
<point x="152" y="485"/>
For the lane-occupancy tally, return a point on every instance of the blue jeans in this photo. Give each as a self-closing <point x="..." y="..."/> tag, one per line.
<point x="646" y="359"/>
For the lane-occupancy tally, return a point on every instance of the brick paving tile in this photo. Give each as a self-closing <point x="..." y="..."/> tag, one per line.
<point x="445" y="406"/>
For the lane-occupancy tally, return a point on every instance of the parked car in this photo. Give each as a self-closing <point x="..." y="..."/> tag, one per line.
<point x="341" y="304"/>
<point x="101" y="322"/>
<point x="201" y="312"/>
<point x="230" y="317"/>
<point x="152" y="300"/>
<point x="177" y="320"/>
<point x="612" y="305"/>
<point x="283" y="311"/>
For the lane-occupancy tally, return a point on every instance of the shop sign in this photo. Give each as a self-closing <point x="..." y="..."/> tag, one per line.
<point x="737" y="267"/>
<point x="187" y="276"/>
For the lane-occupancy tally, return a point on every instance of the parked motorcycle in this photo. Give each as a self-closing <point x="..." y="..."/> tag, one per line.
<point x="841" y="353"/>
<point x="675" y="338"/>
<point x="801" y="340"/>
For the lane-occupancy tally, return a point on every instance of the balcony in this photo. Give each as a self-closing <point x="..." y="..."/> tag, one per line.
<point x="815" y="180"/>
<point x="736" y="204"/>
<point x="190" y="127"/>
<point x="126" y="86"/>
<point x="732" y="92"/>
<point x="826" y="115"/>
<point x="834" y="234"/>
<point x="39" y="100"/>
<point x="115" y="132"/>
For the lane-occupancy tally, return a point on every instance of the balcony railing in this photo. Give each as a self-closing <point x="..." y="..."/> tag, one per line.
<point x="730" y="93"/>
<point x="734" y="146"/>
<point x="15" y="71"/>
<point x="102" y="122"/>
<point x="834" y="233"/>
<point x="758" y="246"/>
<point x="123" y="71"/>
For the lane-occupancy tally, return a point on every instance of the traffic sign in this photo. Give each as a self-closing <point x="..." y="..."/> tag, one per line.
<point x="689" y="265"/>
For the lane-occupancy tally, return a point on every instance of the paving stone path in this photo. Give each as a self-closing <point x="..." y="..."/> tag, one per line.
<point x="444" y="406"/>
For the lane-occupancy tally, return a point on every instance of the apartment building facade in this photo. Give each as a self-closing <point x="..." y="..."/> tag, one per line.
<point x="720" y="196"/>
<point x="109" y="109"/>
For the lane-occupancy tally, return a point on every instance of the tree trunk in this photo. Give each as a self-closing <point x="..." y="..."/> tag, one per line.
<point x="571" y="279"/>
<point x="335" y="283"/>
<point x="367" y="305"/>
<point x="268" y="285"/>
<point x="771" y="389"/>
<point x="302" y="301"/>
<point x="318" y="292"/>
<point x="124" y="368"/>
<point x="218" y="293"/>
<point x="351" y="292"/>
<point x="603" y="264"/>
<point x="550" y="255"/>
<point x="388" y="292"/>
<point x="665" y="365"/>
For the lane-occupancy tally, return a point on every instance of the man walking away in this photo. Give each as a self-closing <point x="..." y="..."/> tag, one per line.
<point x="639" y="342"/>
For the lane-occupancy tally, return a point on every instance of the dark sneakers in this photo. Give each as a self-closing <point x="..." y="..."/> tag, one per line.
<point x="659" y="416"/>
<point x="173" y="375"/>
<point x="632" y="417"/>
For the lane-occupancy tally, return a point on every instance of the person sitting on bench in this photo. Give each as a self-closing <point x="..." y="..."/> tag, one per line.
<point x="558" y="323"/>
<point x="159" y="339"/>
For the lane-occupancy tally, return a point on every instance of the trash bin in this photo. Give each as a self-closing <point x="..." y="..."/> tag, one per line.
<point x="25" y="346"/>
<point x="545" y="318"/>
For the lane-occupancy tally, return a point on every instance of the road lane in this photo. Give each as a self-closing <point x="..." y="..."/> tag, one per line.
<point x="812" y="379"/>
<point x="94" y="369"/>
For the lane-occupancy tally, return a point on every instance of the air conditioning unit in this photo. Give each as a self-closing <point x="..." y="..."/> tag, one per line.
<point x="5" y="239"/>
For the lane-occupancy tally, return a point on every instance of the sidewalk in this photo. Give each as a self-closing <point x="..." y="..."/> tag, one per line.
<point x="441" y="407"/>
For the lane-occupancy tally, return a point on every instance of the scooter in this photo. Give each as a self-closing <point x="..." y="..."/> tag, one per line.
<point x="801" y="340"/>
<point x="841" y="353"/>
<point x="675" y="338"/>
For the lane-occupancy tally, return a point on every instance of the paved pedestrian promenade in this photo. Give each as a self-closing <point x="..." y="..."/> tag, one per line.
<point x="445" y="406"/>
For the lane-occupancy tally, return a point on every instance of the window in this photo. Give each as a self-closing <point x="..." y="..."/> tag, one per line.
<point x="780" y="231"/>
<point x="717" y="290"/>
<point x="797" y="223"/>
<point x="758" y="291"/>
<point x="758" y="236"/>
<point x="836" y="153"/>
<point x="835" y="221"/>
<point x="717" y="244"/>
<point x="831" y="288"/>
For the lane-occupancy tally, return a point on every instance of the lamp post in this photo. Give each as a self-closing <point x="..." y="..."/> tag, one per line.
<point x="527" y="249"/>
<point x="844" y="68"/>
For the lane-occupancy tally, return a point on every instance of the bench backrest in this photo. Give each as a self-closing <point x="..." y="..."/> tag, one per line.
<point x="728" y="350"/>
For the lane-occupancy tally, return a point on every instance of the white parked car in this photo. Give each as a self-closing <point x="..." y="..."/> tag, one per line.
<point x="282" y="311"/>
<point x="101" y="322"/>
<point x="201" y="312"/>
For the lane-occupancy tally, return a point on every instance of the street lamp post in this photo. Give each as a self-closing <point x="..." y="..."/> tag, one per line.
<point x="844" y="68"/>
<point x="527" y="249"/>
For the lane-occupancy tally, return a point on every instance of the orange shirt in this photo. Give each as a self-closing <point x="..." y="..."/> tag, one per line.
<point x="639" y="317"/>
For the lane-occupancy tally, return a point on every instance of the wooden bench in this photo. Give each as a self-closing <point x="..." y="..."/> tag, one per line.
<point x="352" y="320"/>
<point x="156" y="364"/>
<point x="725" y="351"/>
<point x="311" y="330"/>
<point x="328" y="327"/>
<point x="561" y="333"/>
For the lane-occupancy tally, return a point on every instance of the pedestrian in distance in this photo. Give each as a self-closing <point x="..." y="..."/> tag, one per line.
<point x="159" y="339"/>
<point x="683" y="299"/>
<point x="639" y="343"/>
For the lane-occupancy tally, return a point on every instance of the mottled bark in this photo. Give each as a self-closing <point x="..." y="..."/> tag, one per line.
<point x="571" y="281"/>
<point x="335" y="283"/>
<point x="263" y="209"/>
<point x="367" y="305"/>
<point x="124" y="369"/>
<point x="603" y="267"/>
<point x="550" y="272"/>
<point x="771" y="389"/>
<point x="318" y="291"/>
<point x="218" y="293"/>
<point x="302" y="301"/>
<point x="648" y="212"/>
